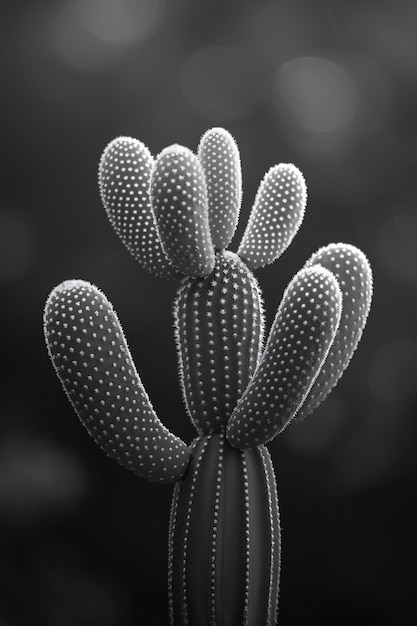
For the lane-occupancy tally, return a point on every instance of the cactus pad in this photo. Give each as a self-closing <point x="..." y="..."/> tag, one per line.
<point x="301" y="335"/>
<point x="179" y="198"/>
<point x="354" y="275"/>
<point x="275" y="217"/>
<point x="124" y="178"/>
<point x="219" y="156"/>
<point x="92" y="360"/>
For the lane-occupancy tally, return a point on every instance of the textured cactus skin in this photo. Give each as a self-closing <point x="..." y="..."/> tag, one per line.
<point x="220" y="160"/>
<point x="353" y="273"/>
<point x="179" y="200"/>
<point x="224" y="541"/>
<point x="219" y="334"/>
<point x="276" y="216"/>
<point x="93" y="362"/>
<point x="296" y="349"/>
<point x="125" y="173"/>
<point x="176" y="215"/>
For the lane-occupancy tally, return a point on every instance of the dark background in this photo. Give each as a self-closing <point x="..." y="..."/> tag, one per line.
<point x="330" y="85"/>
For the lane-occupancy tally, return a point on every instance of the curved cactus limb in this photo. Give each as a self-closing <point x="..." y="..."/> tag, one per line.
<point x="219" y="156"/>
<point x="301" y="335"/>
<point x="276" y="216"/>
<point x="92" y="360"/>
<point x="354" y="275"/>
<point x="179" y="200"/>
<point x="124" y="178"/>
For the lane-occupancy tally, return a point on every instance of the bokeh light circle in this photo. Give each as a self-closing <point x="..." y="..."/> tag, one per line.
<point x="315" y="94"/>
<point x="146" y="16"/>
<point x="107" y="20"/>
<point x="89" y="35"/>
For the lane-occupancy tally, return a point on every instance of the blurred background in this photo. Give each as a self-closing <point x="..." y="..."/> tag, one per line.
<point x="330" y="85"/>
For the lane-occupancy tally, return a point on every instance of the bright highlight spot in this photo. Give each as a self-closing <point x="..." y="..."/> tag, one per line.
<point x="91" y="34"/>
<point x="315" y="94"/>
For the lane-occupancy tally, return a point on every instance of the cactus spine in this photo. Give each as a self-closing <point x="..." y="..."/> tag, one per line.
<point x="177" y="214"/>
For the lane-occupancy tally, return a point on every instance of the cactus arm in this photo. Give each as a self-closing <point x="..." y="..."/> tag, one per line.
<point x="93" y="362"/>
<point x="354" y="275"/>
<point x="301" y="335"/>
<point x="124" y="179"/>
<point x="219" y="156"/>
<point x="179" y="200"/>
<point x="276" y="216"/>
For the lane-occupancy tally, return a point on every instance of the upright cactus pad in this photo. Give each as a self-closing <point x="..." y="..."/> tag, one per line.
<point x="276" y="216"/>
<point x="353" y="273"/>
<point x="219" y="156"/>
<point x="124" y="181"/>
<point x="219" y="337"/>
<point x="301" y="335"/>
<point x="179" y="197"/>
<point x="176" y="215"/>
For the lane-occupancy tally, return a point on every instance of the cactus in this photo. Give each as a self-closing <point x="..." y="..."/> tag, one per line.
<point x="177" y="214"/>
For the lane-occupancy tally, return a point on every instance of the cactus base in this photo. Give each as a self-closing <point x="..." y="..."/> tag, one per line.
<point x="224" y="543"/>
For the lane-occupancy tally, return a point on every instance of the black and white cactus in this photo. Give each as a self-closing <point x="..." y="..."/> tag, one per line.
<point x="177" y="214"/>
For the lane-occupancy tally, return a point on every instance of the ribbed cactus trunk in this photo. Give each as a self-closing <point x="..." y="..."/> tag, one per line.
<point x="224" y="544"/>
<point x="224" y="531"/>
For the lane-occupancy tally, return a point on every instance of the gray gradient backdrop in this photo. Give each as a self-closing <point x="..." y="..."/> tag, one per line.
<point x="330" y="85"/>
